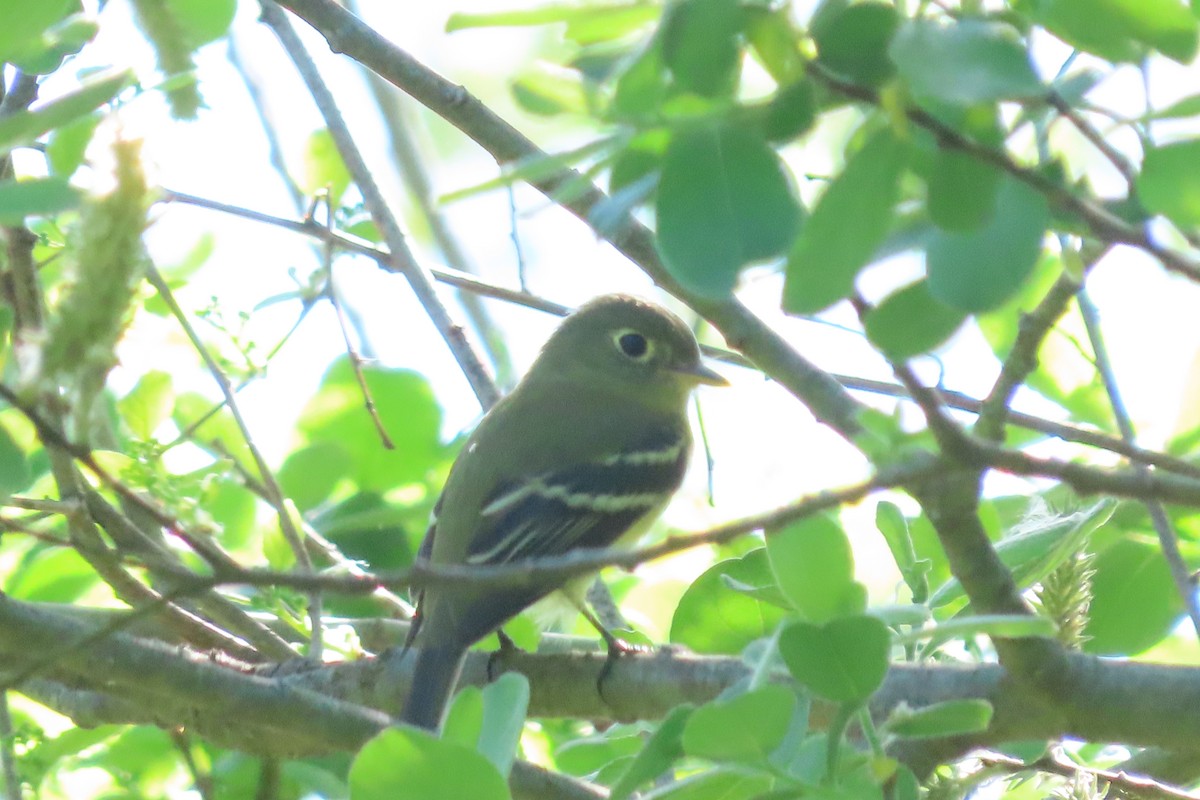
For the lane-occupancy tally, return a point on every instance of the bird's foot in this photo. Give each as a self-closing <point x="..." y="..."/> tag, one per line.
<point x="496" y="658"/>
<point x="616" y="649"/>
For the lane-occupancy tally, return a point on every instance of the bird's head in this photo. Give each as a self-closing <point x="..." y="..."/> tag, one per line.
<point x="629" y="345"/>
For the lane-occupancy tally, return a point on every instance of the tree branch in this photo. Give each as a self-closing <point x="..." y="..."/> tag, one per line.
<point x="744" y="332"/>
<point x="403" y="260"/>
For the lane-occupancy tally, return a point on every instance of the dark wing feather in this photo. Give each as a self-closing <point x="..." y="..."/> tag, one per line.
<point x="584" y="505"/>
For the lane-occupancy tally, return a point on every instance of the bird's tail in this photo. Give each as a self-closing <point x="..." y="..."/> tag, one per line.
<point x="434" y="677"/>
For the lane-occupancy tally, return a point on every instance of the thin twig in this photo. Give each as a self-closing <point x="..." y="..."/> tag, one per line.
<point x="274" y="492"/>
<point x="1133" y="786"/>
<point x="558" y="569"/>
<point x="10" y="525"/>
<point x="50" y="434"/>
<point x="1103" y="225"/>
<point x="400" y="124"/>
<point x="403" y="260"/>
<point x="1089" y="132"/>
<point x="258" y="99"/>
<point x="743" y="331"/>
<point x="226" y="615"/>
<point x="356" y="360"/>
<point x="352" y="244"/>
<point x="201" y="780"/>
<point x="955" y="400"/>
<point x="1023" y="358"/>
<point x="1167" y="537"/>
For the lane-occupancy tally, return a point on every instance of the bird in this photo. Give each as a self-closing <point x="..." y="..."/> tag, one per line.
<point x="585" y="452"/>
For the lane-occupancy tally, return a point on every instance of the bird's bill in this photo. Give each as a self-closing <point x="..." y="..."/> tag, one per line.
<point x="699" y="373"/>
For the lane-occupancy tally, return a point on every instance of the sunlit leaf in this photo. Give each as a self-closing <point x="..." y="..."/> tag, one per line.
<point x="911" y="321"/>
<point x="813" y="565"/>
<point x="1169" y="183"/>
<point x="979" y="269"/>
<point x="746" y="727"/>
<point x="1118" y="29"/>
<point x="964" y="63"/>
<point x="848" y="225"/>
<point x="853" y="41"/>
<point x="35" y="197"/>
<point x="843" y="660"/>
<point x="712" y="618"/>
<point x="408" y="764"/>
<point x="724" y="200"/>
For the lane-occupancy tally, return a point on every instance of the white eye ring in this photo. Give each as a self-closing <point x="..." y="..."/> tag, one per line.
<point x="633" y="345"/>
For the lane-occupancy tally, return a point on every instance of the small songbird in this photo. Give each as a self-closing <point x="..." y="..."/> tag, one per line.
<point x="584" y="453"/>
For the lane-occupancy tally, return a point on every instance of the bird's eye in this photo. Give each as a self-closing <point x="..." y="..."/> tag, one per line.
<point x="632" y="344"/>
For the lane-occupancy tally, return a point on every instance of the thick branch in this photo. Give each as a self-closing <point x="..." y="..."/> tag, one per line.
<point x="327" y="708"/>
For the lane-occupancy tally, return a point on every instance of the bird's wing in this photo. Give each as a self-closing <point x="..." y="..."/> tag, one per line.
<point x="588" y="504"/>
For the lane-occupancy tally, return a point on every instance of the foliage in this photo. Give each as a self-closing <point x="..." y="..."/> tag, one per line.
<point x="917" y="173"/>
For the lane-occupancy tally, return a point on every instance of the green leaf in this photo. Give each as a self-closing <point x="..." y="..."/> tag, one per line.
<point x="219" y="431"/>
<point x="231" y="506"/>
<point x="25" y="126"/>
<point x="978" y="270"/>
<point x="724" y="200"/>
<point x="854" y="41"/>
<point x="58" y="42"/>
<point x="662" y="749"/>
<point x="962" y="191"/>
<point x="890" y="521"/>
<point x="1113" y="29"/>
<point x="589" y="754"/>
<point x="1134" y="601"/>
<point x="746" y="727"/>
<point x="1004" y="626"/>
<point x="949" y="718"/>
<point x="1032" y="552"/>
<point x="964" y="63"/>
<point x="905" y="786"/>
<point x="367" y="528"/>
<point x="148" y="404"/>
<point x="642" y="86"/>
<point x="712" y="618"/>
<point x="505" y="702"/>
<point x="464" y="717"/>
<point x="68" y="144"/>
<point x="824" y="262"/>
<point x="310" y="474"/>
<point x="727" y="783"/>
<point x="1169" y="183"/>
<point x="35" y="197"/>
<point x="202" y="21"/>
<point x="584" y="24"/>
<point x="15" y="474"/>
<point x="813" y="565"/>
<point x="533" y="169"/>
<point x="410" y="764"/>
<point x="21" y="35"/>
<point x="791" y="112"/>
<point x="51" y="575"/>
<point x="772" y="37"/>
<point x="911" y="321"/>
<point x="1181" y="109"/>
<point x="844" y="660"/>
<point x="409" y="413"/>
<point x="541" y="91"/>
<point x="701" y="45"/>
<point x="324" y="168"/>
